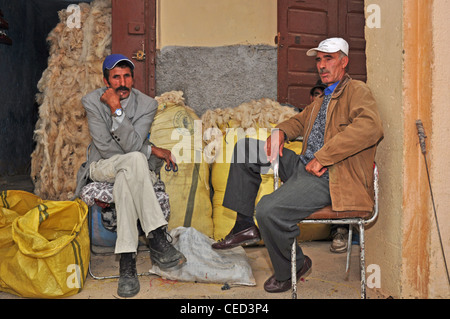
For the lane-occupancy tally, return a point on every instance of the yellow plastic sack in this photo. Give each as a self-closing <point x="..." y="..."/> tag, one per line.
<point x="189" y="191"/>
<point x="224" y="218"/>
<point x="44" y="245"/>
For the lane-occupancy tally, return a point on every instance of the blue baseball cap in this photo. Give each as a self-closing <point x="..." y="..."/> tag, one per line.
<point x="112" y="60"/>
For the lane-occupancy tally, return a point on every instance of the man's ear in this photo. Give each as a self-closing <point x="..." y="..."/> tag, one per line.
<point x="344" y="61"/>
<point x="106" y="82"/>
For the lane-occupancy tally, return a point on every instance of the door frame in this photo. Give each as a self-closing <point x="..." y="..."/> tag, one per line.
<point x="127" y="18"/>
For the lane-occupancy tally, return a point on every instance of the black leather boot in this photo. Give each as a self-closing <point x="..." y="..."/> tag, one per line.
<point x="162" y="252"/>
<point x="128" y="280"/>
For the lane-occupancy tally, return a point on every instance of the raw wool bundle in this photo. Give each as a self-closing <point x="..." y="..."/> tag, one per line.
<point x="262" y="113"/>
<point x="255" y="113"/>
<point x="74" y="69"/>
<point x="175" y="97"/>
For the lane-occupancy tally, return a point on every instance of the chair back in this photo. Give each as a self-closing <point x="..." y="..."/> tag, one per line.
<point x="376" y="194"/>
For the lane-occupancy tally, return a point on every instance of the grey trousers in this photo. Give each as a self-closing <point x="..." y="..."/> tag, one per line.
<point x="277" y="213"/>
<point x="133" y="194"/>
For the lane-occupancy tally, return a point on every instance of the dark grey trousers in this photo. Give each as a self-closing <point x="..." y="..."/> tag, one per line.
<point x="277" y="213"/>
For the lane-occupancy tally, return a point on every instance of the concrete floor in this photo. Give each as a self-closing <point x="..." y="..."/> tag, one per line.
<point x="328" y="279"/>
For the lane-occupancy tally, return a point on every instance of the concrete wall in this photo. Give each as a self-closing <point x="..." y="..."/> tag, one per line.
<point x="21" y="66"/>
<point x="384" y="52"/>
<point x="219" y="53"/>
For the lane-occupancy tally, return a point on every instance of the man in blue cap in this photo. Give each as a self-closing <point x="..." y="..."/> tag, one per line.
<point x="119" y="118"/>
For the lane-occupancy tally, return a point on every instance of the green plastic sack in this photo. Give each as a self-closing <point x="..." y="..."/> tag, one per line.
<point x="44" y="245"/>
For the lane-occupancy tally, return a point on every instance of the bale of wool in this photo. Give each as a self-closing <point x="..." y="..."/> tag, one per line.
<point x="263" y="113"/>
<point x="74" y="69"/>
<point x="175" y="128"/>
<point x="220" y="139"/>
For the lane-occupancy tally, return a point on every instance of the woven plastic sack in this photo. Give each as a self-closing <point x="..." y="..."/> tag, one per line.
<point x="188" y="188"/>
<point x="205" y="264"/>
<point x="44" y="245"/>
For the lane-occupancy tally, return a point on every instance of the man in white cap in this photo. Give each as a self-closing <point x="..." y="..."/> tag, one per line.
<point x="340" y="130"/>
<point x="119" y="118"/>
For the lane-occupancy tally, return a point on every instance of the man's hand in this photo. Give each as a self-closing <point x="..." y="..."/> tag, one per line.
<point x="165" y="155"/>
<point x="315" y="168"/>
<point x="112" y="99"/>
<point x="274" y="145"/>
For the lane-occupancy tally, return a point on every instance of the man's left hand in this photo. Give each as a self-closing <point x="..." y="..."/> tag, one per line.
<point x="315" y="168"/>
<point x="274" y="145"/>
<point x="165" y="155"/>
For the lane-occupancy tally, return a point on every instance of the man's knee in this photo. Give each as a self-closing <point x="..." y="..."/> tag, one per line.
<point x="135" y="156"/>
<point x="135" y="159"/>
<point x="264" y="210"/>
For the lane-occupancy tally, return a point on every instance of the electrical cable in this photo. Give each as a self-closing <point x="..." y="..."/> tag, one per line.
<point x="422" y="136"/>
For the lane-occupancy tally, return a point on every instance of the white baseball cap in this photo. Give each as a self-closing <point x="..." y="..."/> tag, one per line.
<point x="330" y="45"/>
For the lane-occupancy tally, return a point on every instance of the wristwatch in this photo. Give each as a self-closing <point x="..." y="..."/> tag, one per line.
<point x="117" y="112"/>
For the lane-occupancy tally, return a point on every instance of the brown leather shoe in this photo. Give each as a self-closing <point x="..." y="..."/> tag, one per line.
<point x="245" y="237"/>
<point x="272" y="285"/>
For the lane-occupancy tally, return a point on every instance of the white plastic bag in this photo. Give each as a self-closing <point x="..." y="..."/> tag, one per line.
<point x="205" y="264"/>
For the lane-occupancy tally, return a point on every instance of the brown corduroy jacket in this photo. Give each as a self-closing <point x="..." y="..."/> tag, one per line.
<point x="352" y="133"/>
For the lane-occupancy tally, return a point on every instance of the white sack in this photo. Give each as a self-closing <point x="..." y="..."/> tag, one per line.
<point x="205" y="264"/>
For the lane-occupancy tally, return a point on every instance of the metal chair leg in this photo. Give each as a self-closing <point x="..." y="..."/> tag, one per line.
<point x="362" y="260"/>
<point x="101" y="277"/>
<point x="294" y="269"/>
<point x="93" y="252"/>
<point x="349" y="247"/>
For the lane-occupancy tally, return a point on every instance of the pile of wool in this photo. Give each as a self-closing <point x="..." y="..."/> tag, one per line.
<point x="262" y="113"/>
<point x="74" y="69"/>
<point x="172" y="98"/>
<point x="175" y="97"/>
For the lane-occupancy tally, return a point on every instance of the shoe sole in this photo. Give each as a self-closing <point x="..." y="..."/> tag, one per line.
<point x="244" y="243"/>
<point x="338" y="250"/>
<point x="171" y="264"/>
<point x="306" y="274"/>
<point x="129" y="294"/>
<point x="251" y="242"/>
